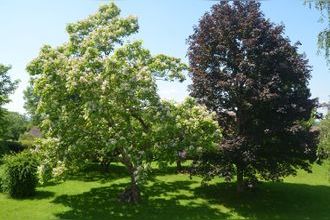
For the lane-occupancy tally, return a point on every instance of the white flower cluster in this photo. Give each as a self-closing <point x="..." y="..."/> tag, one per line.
<point x="59" y="170"/>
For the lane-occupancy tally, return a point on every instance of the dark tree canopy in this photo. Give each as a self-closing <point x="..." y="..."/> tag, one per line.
<point x="243" y="68"/>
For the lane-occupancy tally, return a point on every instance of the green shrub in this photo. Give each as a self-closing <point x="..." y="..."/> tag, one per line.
<point x="19" y="178"/>
<point x="1" y="177"/>
<point x="7" y="147"/>
<point x="27" y="140"/>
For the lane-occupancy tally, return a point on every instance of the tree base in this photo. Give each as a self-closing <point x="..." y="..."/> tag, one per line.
<point x="130" y="195"/>
<point x="105" y="167"/>
<point x="247" y="185"/>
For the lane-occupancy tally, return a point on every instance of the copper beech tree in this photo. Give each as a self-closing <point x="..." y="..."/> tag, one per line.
<point x="249" y="73"/>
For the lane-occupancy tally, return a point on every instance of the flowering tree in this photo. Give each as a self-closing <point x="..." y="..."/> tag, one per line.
<point x="98" y="93"/>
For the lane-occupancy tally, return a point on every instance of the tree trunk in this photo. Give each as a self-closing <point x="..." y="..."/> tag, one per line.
<point x="178" y="166"/>
<point x="131" y="194"/>
<point x="240" y="180"/>
<point x="105" y="165"/>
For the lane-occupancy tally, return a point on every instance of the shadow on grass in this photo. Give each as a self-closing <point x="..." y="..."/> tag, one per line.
<point x="160" y="201"/>
<point x="39" y="194"/>
<point x="173" y="200"/>
<point x="272" y="200"/>
<point x="94" y="172"/>
<point x="168" y="200"/>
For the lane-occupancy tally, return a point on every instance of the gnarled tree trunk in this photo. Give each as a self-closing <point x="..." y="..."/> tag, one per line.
<point x="131" y="194"/>
<point x="178" y="166"/>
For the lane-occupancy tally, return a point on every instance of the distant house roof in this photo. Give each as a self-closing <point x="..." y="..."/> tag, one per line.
<point x="35" y="131"/>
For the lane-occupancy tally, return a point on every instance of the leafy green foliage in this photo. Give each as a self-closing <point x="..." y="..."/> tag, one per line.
<point x="324" y="35"/>
<point x="7" y="86"/>
<point x="15" y="124"/>
<point x="98" y="96"/>
<point x="19" y="177"/>
<point x="324" y="145"/>
<point x="245" y="70"/>
<point x="45" y="173"/>
<point x="27" y="140"/>
<point x="9" y="147"/>
<point x="1" y="177"/>
<point x="186" y="128"/>
<point x="31" y="103"/>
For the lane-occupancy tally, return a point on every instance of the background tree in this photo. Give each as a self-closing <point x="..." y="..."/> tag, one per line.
<point x="324" y="126"/>
<point x="98" y="92"/>
<point x="324" y="35"/>
<point x="244" y="69"/>
<point x="187" y="131"/>
<point x="7" y="86"/>
<point x="324" y="145"/>
<point x="16" y="124"/>
<point x="31" y="103"/>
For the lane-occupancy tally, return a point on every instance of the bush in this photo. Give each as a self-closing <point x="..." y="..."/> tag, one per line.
<point x="1" y="177"/>
<point x="19" y="177"/>
<point x="7" y="147"/>
<point x="27" y="140"/>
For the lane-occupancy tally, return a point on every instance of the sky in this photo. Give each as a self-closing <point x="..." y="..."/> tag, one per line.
<point x="164" y="27"/>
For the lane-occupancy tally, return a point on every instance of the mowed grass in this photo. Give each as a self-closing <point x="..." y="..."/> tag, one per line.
<point x="171" y="196"/>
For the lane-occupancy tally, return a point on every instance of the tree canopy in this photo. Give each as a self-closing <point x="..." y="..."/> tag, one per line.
<point x="7" y="86"/>
<point x="325" y="135"/>
<point x="324" y="35"/>
<point x="31" y="103"/>
<point x="98" y="95"/>
<point x="249" y="73"/>
<point x="15" y="125"/>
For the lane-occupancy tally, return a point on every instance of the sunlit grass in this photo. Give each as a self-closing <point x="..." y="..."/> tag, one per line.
<point x="174" y="196"/>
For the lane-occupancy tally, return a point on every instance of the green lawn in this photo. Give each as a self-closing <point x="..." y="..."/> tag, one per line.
<point x="170" y="196"/>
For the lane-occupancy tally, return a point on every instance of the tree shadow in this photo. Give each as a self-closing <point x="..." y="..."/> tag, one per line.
<point x="272" y="200"/>
<point x="39" y="194"/>
<point x="94" y="172"/>
<point x="159" y="201"/>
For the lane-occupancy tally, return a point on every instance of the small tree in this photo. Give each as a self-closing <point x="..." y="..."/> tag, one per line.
<point x="98" y="93"/>
<point x="244" y="69"/>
